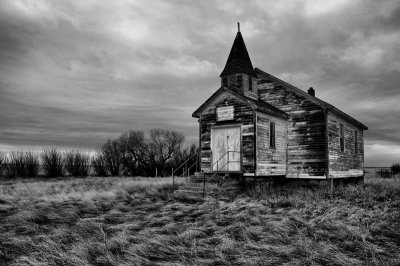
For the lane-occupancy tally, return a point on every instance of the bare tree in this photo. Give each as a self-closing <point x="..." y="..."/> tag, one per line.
<point x="162" y="146"/>
<point x="134" y="150"/>
<point x="112" y="154"/>
<point x="182" y="155"/>
<point x="99" y="165"/>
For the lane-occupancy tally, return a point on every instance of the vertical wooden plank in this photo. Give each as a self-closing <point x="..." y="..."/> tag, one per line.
<point x="199" y="151"/>
<point x="326" y="145"/>
<point x="255" y="143"/>
<point x="287" y="148"/>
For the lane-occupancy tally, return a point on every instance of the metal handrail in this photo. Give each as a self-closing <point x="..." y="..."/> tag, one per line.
<point x="186" y="169"/>
<point x="185" y="162"/>
<point x="190" y="167"/>
<point x="222" y="156"/>
<point x="218" y="170"/>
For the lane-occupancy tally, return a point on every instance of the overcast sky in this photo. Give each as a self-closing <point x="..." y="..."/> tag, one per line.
<point x="74" y="73"/>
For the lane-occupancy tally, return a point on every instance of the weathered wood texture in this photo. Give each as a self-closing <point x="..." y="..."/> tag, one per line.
<point x="245" y="88"/>
<point x="347" y="163"/>
<point x="243" y="115"/>
<point x="226" y="146"/>
<point x="270" y="161"/>
<point x="306" y="129"/>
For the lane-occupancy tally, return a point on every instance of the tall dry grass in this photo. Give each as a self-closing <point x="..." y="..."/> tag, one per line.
<point x="134" y="221"/>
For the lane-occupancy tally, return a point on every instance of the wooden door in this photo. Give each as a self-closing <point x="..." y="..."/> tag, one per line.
<point x="223" y="140"/>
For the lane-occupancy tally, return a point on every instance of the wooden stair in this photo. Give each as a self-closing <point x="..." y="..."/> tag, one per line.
<point x="219" y="185"/>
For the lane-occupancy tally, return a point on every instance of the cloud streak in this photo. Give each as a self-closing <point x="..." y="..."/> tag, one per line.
<point x="74" y="73"/>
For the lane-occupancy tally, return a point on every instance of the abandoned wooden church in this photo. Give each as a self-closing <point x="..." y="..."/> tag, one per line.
<point x="257" y="125"/>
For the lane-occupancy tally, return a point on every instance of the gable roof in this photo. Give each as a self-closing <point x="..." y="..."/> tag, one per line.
<point x="239" y="59"/>
<point x="258" y="105"/>
<point x="326" y="106"/>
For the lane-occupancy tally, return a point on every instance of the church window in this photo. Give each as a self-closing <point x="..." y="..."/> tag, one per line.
<point x="272" y="135"/>
<point x="341" y="136"/>
<point x="356" y="142"/>
<point x="250" y="84"/>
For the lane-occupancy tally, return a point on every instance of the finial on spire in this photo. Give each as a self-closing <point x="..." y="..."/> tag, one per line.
<point x="238" y="26"/>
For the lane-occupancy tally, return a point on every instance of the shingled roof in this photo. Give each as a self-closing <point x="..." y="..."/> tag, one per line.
<point x="239" y="59"/>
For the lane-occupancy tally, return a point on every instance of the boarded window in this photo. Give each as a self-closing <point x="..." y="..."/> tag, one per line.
<point x="341" y="134"/>
<point x="250" y="84"/>
<point x="225" y="81"/>
<point x="272" y="134"/>
<point x="356" y="142"/>
<point x="239" y="81"/>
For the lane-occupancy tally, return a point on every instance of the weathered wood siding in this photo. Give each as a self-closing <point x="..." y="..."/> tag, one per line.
<point x="345" y="163"/>
<point x="243" y="115"/>
<point x="245" y="88"/>
<point x="306" y="130"/>
<point x="270" y="161"/>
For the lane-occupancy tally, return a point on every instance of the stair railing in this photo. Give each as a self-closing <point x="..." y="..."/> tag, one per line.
<point x="219" y="169"/>
<point x="185" y="170"/>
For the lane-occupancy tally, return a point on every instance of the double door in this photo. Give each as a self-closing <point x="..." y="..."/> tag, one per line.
<point x="226" y="147"/>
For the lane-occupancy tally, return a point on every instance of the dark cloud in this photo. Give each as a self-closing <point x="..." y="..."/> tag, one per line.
<point x="74" y="73"/>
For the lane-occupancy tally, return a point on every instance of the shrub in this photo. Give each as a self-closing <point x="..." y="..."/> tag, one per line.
<point x="3" y="162"/>
<point x="53" y="162"/>
<point x="99" y="165"/>
<point x="77" y="163"/>
<point x="16" y="165"/>
<point x="395" y="168"/>
<point x="32" y="164"/>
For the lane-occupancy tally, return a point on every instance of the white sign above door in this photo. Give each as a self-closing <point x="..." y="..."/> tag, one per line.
<point x="225" y="113"/>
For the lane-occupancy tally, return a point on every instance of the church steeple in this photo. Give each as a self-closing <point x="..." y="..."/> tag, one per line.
<point x="239" y="59"/>
<point x="239" y="74"/>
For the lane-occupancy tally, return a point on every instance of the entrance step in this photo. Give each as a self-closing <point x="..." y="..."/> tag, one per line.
<point x="195" y="188"/>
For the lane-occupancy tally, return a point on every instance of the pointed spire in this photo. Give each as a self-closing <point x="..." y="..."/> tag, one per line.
<point x="239" y="59"/>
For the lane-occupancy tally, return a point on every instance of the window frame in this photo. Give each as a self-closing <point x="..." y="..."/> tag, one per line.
<point x="341" y="137"/>
<point x="272" y="135"/>
<point x="250" y="83"/>
<point x="356" y="142"/>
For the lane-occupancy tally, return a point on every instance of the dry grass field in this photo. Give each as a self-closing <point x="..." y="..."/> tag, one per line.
<point x="133" y="221"/>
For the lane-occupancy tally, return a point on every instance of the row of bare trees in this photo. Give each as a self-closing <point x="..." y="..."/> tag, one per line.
<point x="50" y="162"/>
<point x="134" y="153"/>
